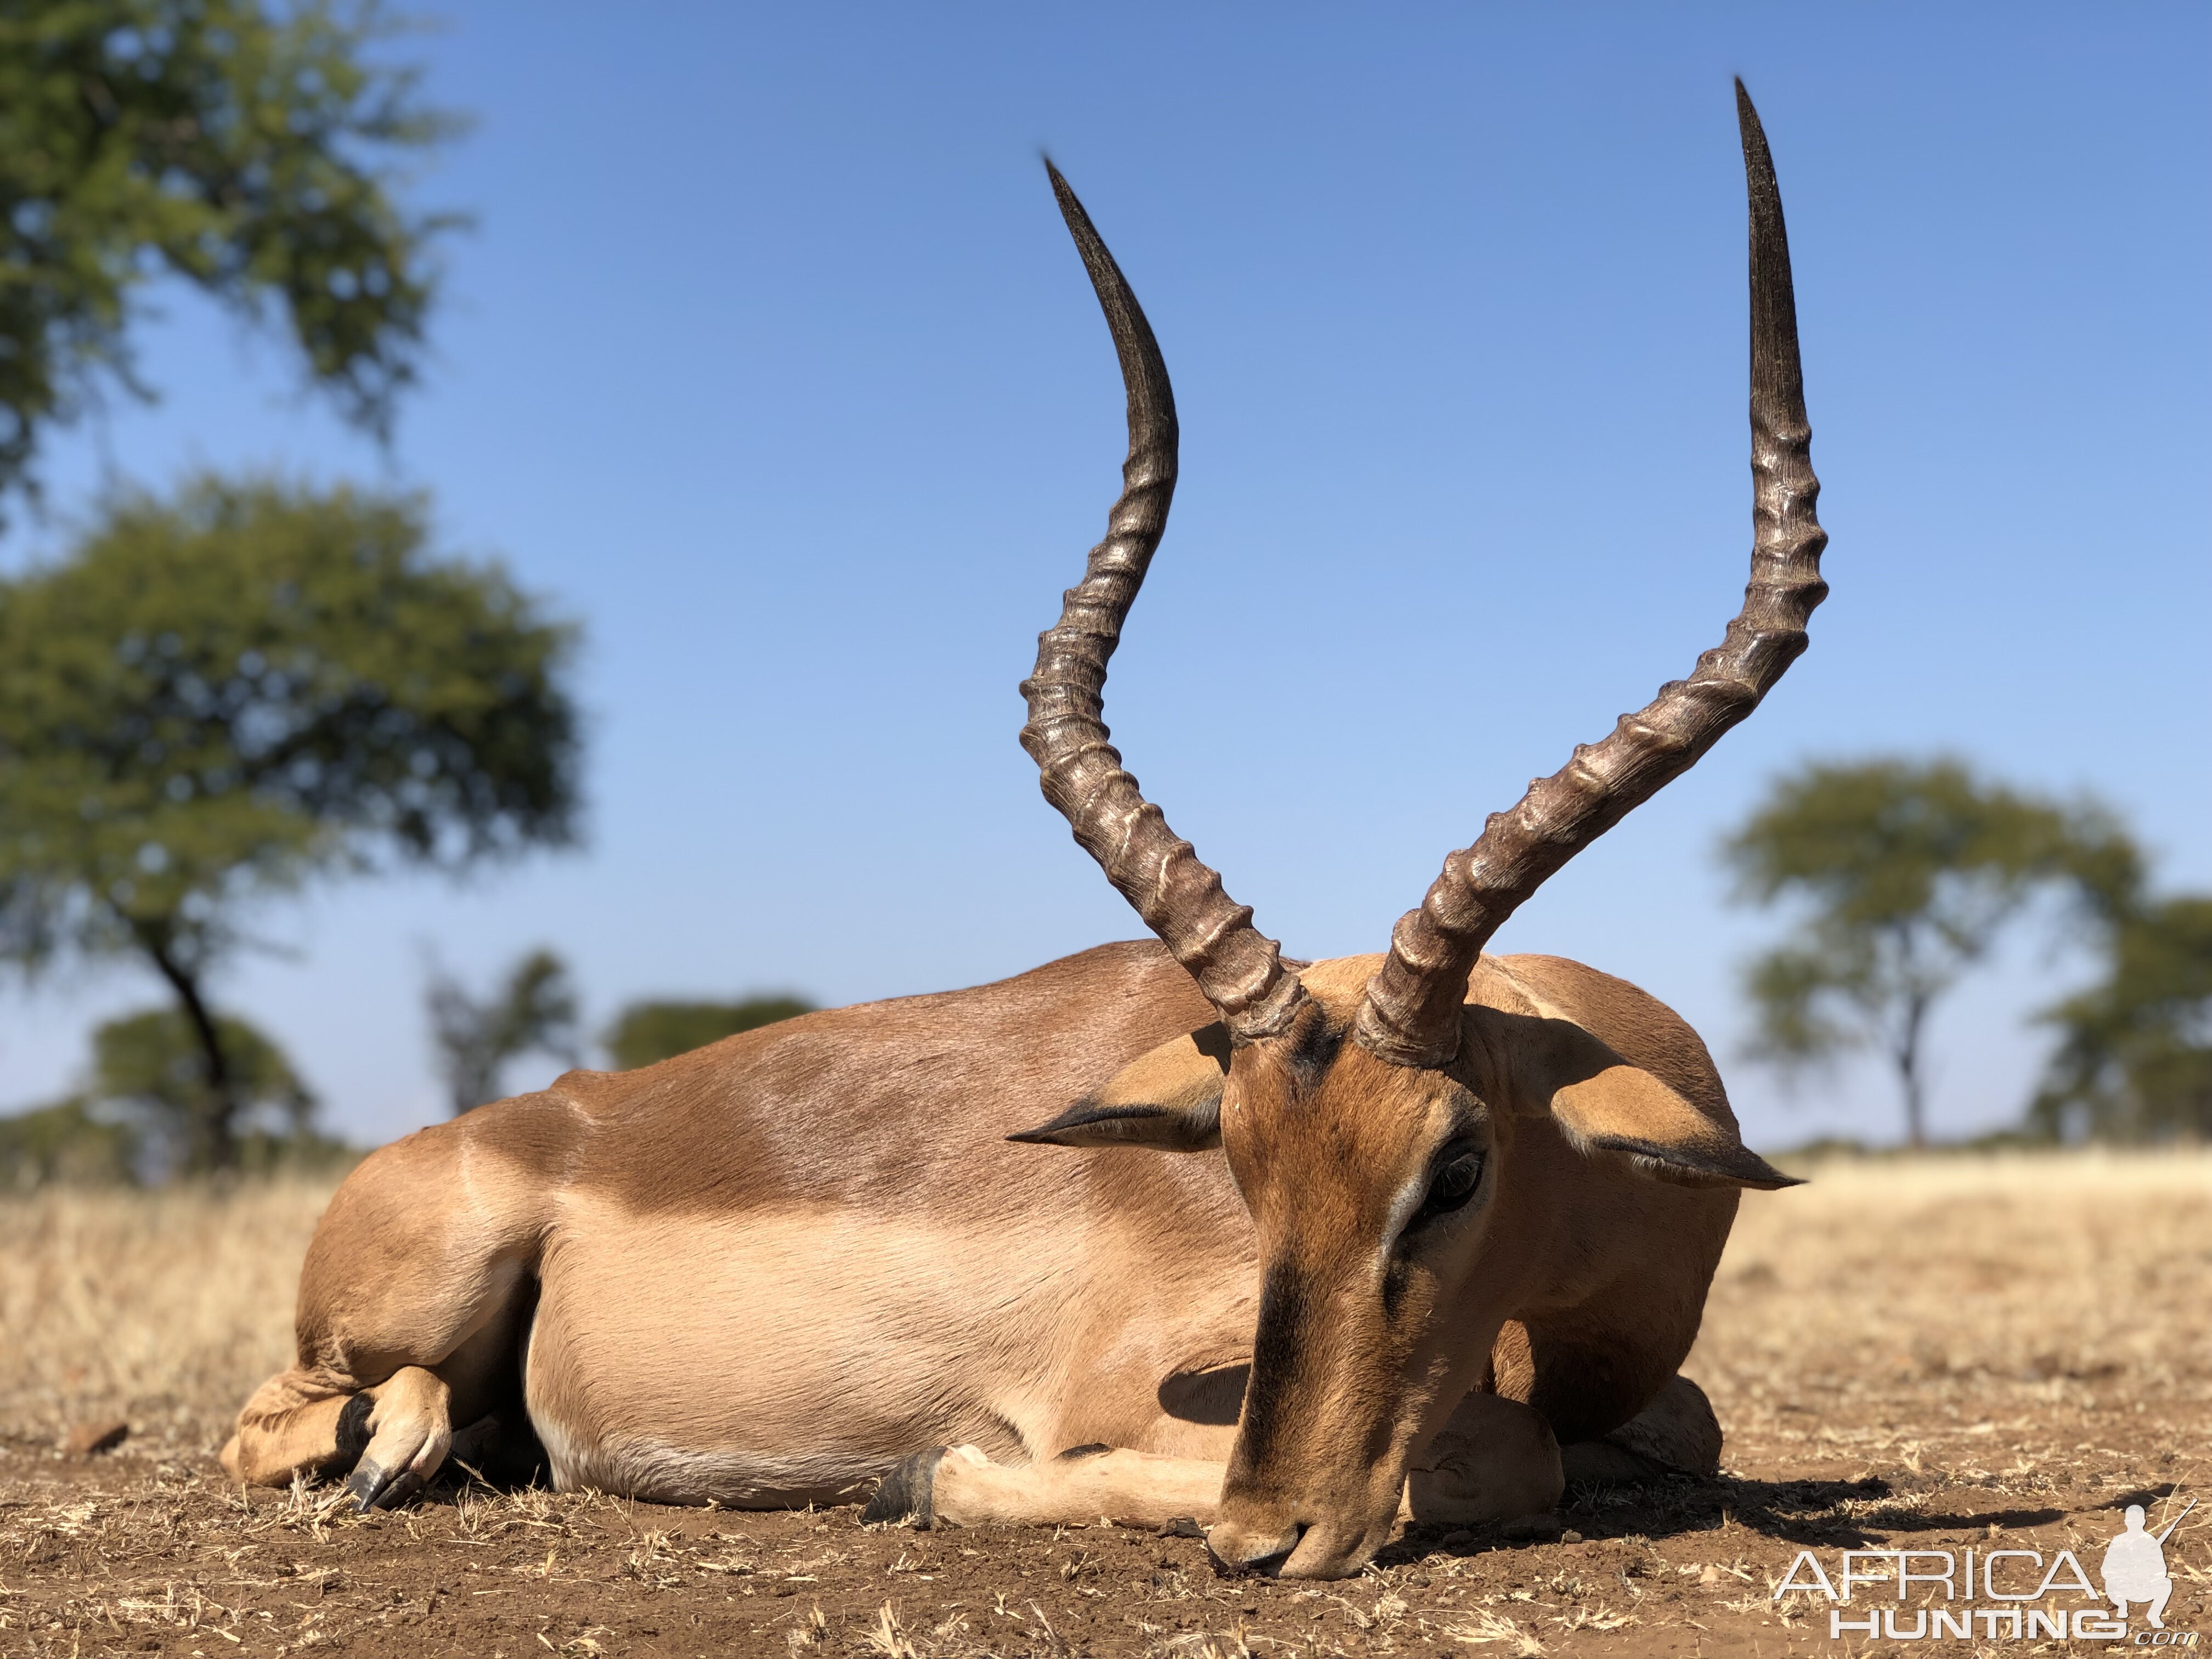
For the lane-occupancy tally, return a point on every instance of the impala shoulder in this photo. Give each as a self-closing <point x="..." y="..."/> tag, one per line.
<point x="540" y="1134"/>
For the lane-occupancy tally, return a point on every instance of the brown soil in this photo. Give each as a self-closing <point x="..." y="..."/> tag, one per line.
<point x="1929" y="1355"/>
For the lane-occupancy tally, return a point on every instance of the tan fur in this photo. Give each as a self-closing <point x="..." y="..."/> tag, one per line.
<point x="1493" y="1460"/>
<point x="1438" y="1237"/>
<point x="761" y="1273"/>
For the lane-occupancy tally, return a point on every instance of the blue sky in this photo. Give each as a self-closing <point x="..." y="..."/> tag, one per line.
<point x="769" y="360"/>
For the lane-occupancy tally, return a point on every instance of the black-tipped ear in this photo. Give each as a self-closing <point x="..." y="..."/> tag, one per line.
<point x="1607" y="1108"/>
<point x="1193" y="1128"/>
<point x="1704" y="1165"/>
<point x="1168" y="1099"/>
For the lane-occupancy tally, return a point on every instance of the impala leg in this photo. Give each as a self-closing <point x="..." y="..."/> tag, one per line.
<point x="409" y="1320"/>
<point x="500" y="1447"/>
<point x="410" y="1430"/>
<point x="304" y="1420"/>
<point x="393" y="1434"/>
<point x="392" y="1437"/>
<point x="1675" y="1434"/>
<point x="959" y="1485"/>
<point x="1494" y="1459"/>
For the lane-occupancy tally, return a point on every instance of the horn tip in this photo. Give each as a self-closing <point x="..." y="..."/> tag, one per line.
<point x="1746" y="113"/>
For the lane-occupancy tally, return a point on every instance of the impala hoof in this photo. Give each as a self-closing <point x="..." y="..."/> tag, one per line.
<point x="372" y="1486"/>
<point x="367" y="1484"/>
<point x="905" y="1491"/>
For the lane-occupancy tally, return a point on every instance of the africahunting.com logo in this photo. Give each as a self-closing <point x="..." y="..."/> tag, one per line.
<point x="1985" y="1597"/>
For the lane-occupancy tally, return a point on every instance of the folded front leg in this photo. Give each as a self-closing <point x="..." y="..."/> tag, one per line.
<point x="958" y="1486"/>
<point x="1494" y="1460"/>
<point x="410" y="1427"/>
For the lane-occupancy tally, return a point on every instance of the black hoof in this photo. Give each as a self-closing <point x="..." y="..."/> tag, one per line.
<point x="373" y="1489"/>
<point x="367" y="1484"/>
<point x="905" y="1491"/>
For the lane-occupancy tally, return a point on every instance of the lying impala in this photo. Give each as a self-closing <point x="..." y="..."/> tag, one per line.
<point x="1336" y="1242"/>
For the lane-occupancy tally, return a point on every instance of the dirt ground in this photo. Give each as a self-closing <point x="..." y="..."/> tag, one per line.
<point x="1944" y="1353"/>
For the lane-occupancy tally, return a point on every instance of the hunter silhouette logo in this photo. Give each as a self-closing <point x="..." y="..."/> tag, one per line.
<point x="2135" y="1567"/>
<point x="2009" y="1582"/>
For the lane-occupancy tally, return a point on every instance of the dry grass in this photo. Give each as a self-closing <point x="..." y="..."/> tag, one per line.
<point x="2011" y="1268"/>
<point x="164" y="1307"/>
<point x="1931" y="1352"/>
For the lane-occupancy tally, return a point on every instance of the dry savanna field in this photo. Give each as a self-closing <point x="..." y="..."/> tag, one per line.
<point x="1936" y="1354"/>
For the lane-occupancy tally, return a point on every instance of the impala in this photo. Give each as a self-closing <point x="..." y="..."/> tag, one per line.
<point x="1324" y="1245"/>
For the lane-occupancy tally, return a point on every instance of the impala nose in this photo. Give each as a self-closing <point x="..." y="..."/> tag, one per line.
<point x="1245" y="1549"/>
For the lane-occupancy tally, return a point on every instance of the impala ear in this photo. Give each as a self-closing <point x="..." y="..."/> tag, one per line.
<point x="1623" y="1111"/>
<point x="1168" y="1100"/>
<point x="1606" y="1106"/>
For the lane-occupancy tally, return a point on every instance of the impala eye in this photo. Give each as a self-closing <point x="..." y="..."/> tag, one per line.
<point x="1455" y="1183"/>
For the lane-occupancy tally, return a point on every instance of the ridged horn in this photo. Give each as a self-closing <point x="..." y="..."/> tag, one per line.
<point x="1411" y="1013"/>
<point x="1239" y="968"/>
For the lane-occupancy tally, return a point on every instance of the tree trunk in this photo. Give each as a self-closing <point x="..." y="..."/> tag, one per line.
<point x="1908" y="1072"/>
<point x="215" y="1144"/>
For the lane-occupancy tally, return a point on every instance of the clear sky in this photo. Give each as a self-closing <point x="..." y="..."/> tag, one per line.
<point x="769" y="359"/>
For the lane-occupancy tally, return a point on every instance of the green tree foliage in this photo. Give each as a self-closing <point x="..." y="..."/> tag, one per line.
<point x="149" y="1069"/>
<point x="1906" y="873"/>
<point x="218" y="696"/>
<point x="650" y="1031"/>
<point x="66" y="1145"/>
<point x="247" y="150"/>
<point x="146" y="1110"/>
<point x="533" y="1009"/>
<point x="2135" y="1054"/>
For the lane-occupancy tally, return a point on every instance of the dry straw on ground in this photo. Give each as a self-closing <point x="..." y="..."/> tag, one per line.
<point x="1928" y="1353"/>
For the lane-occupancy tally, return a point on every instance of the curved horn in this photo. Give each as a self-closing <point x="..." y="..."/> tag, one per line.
<point x="1411" y="1013"/>
<point x="1240" y="971"/>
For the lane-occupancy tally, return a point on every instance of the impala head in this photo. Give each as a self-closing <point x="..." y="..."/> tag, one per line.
<point x="1370" y="1116"/>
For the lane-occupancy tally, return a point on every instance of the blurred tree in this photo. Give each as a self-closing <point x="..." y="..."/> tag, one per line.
<point x="2135" y="1053"/>
<point x="533" y="1009"/>
<point x="1911" y="870"/>
<point x="247" y="150"/>
<point x="217" y="696"/>
<point x="649" y="1031"/>
<point x="147" y="1112"/>
<point x="65" y="1143"/>
<point x="150" y="1066"/>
